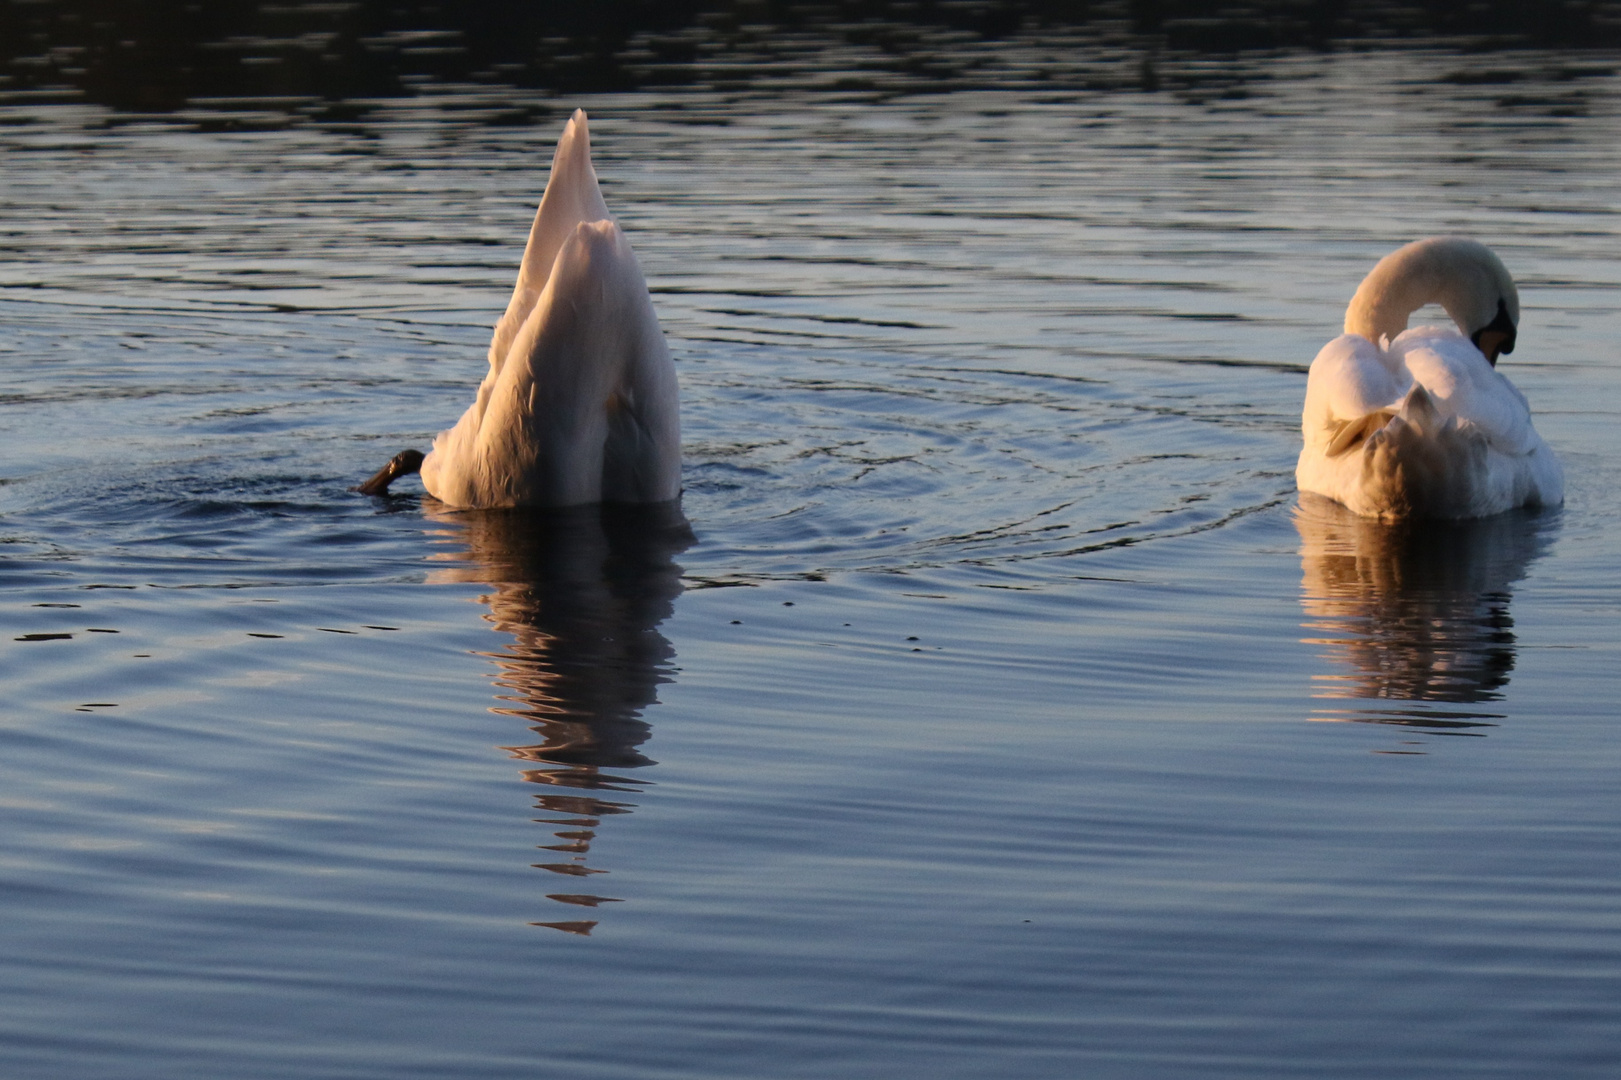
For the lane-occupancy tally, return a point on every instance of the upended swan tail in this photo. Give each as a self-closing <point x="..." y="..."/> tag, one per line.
<point x="585" y="407"/>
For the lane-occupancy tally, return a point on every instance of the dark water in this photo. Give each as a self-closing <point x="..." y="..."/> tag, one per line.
<point x="996" y="708"/>
<point x="312" y="58"/>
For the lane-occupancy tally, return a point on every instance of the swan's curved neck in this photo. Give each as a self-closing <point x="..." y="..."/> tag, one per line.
<point x="1461" y="275"/>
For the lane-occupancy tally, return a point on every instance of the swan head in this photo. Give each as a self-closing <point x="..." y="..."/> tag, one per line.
<point x="1497" y="336"/>
<point x="1463" y="276"/>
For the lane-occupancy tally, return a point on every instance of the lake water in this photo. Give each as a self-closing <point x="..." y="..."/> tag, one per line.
<point x="998" y="709"/>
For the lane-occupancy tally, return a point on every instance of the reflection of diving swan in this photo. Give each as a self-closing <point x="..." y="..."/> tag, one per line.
<point x="1420" y="422"/>
<point x="1413" y="611"/>
<point x="582" y="592"/>
<point x="580" y="404"/>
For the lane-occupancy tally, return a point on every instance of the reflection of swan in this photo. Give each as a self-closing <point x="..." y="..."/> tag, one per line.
<point x="1418" y="612"/>
<point x="1421" y="422"/>
<point x="582" y="592"/>
<point x="580" y="404"/>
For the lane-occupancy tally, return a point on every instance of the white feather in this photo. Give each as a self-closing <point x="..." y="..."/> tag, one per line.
<point x="1424" y="427"/>
<point x="580" y="404"/>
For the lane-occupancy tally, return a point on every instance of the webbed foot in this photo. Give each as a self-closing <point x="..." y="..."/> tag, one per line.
<point x="401" y="464"/>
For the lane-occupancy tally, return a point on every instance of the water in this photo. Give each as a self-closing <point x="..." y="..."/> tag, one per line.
<point x="997" y="708"/>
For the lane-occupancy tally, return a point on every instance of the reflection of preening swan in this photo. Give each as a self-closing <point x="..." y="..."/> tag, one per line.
<point x="582" y="592"/>
<point x="1418" y="612"/>
<point x="1420" y="422"/>
<point x="580" y="404"/>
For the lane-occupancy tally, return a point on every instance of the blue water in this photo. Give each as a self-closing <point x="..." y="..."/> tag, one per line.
<point x="995" y="708"/>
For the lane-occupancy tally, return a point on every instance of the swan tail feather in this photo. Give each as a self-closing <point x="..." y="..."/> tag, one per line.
<point x="1423" y="463"/>
<point x="1349" y="434"/>
<point x="572" y="197"/>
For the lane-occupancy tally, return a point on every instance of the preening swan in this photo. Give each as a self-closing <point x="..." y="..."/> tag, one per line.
<point x="580" y="404"/>
<point x="1420" y="422"/>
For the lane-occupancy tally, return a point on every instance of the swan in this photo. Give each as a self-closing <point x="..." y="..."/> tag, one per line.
<point x="580" y="404"/>
<point x="1420" y="423"/>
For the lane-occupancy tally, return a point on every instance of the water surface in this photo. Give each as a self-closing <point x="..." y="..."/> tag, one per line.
<point x="997" y="708"/>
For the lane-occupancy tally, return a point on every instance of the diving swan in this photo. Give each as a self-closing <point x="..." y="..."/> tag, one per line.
<point x="1420" y="423"/>
<point x="580" y="404"/>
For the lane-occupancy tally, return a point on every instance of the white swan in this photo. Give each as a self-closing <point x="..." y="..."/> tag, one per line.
<point x="1420" y="422"/>
<point x="580" y="404"/>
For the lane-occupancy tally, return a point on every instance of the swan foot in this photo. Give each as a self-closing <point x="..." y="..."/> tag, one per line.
<point x="401" y="464"/>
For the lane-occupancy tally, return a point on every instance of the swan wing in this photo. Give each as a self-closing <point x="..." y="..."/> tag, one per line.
<point x="1351" y="392"/>
<point x="1467" y="390"/>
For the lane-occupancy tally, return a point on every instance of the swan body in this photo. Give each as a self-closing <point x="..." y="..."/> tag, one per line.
<point x="1420" y="422"/>
<point x="580" y="404"/>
